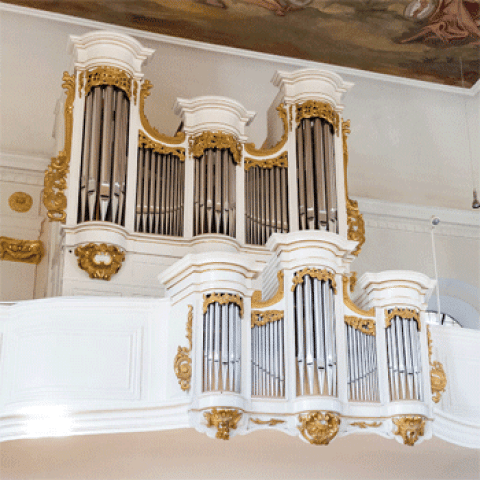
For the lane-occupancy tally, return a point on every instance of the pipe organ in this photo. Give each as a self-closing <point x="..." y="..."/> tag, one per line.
<point x="217" y="214"/>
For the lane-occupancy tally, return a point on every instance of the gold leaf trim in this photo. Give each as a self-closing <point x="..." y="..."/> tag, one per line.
<point x="319" y="428"/>
<point x="25" y="251"/>
<point x="353" y="281"/>
<point x="280" y="161"/>
<point x="97" y="269"/>
<point x="260" y="318"/>
<point x="257" y="295"/>
<point x="290" y="117"/>
<point x="271" y="423"/>
<point x="182" y="363"/>
<point x="223" y="420"/>
<point x="316" y="109"/>
<point x="222" y="299"/>
<point x="348" y="302"/>
<point x="55" y="181"/>
<point x="200" y="143"/>
<point x="323" y="275"/>
<point x="106" y="75"/>
<point x="145" y="142"/>
<point x="366" y="425"/>
<point x="407" y="313"/>
<point x="410" y="428"/>
<point x="355" y="222"/>
<point x="81" y="83"/>
<point x="364" y="325"/>
<point x="135" y="91"/>
<point x="20" y="202"/>
<point x="438" y="378"/>
<point x="263" y="152"/>
<point x="152" y="131"/>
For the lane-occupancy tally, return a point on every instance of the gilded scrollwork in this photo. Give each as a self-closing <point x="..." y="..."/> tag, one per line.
<point x="438" y="378"/>
<point x="314" y="108"/>
<point x="81" y="83"/>
<point x="25" y="251"/>
<point x="55" y="181"/>
<point x="257" y="301"/>
<point x="106" y="75"/>
<point x="366" y="424"/>
<point x="408" y="313"/>
<point x="110" y="262"/>
<point x="223" y="420"/>
<point x="348" y="301"/>
<point x="290" y="117"/>
<point x="364" y="325"/>
<point x="200" y="143"/>
<point x="152" y="131"/>
<point x="410" y="428"/>
<point x="145" y="142"/>
<point x="182" y="363"/>
<point x="262" y="317"/>
<point x="222" y="299"/>
<point x="319" y="428"/>
<point x="20" y="202"/>
<point x="135" y="91"/>
<point x="280" y="161"/>
<point x="323" y="275"/>
<point x="263" y="152"/>
<point x="271" y="422"/>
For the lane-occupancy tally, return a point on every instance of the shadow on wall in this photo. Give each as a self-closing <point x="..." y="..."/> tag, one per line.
<point x="460" y="300"/>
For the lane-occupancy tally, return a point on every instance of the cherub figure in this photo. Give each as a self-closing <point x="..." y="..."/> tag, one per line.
<point x="280" y="7"/>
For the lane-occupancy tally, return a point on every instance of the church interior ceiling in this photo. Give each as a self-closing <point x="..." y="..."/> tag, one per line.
<point x="431" y="40"/>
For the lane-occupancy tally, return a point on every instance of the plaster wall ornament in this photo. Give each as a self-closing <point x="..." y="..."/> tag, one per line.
<point x="20" y="202"/>
<point x="25" y="251"/>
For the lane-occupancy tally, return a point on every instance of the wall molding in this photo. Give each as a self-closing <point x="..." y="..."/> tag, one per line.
<point x="23" y="168"/>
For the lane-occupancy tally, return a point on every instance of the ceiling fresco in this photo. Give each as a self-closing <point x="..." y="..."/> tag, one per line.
<point x="432" y="40"/>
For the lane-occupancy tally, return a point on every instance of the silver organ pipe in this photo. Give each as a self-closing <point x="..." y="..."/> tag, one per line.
<point x="266" y="191"/>
<point x="160" y="191"/>
<point x="315" y="342"/>
<point x="215" y="193"/>
<point x="222" y="343"/>
<point x="104" y="155"/>
<point x="268" y="374"/>
<point x="317" y="196"/>
<point x="403" y="354"/>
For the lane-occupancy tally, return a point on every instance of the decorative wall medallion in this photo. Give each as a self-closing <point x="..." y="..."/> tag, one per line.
<point x="314" y="108"/>
<point x="100" y="260"/>
<point x="145" y="142"/>
<point x="410" y="427"/>
<point x="105" y="75"/>
<point x="222" y="299"/>
<point x="319" y="428"/>
<point x="323" y="275"/>
<point x="407" y="313"/>
<point x="182" y="363"/>
<point x="271" y="423"/>
<point x="55" y="181"/>
<point x="220" y="140"/>
<point x="20" y="202"/>
<point x="364" y="325"/>
<point x="257" y="301"/>
<point x="438" y="378"/>
<point x="280" y="161"/>
<point x="366" y="425"/>
<point x="223" y="420"/>
<point x="26" y="251"/>
<point x="260" y="317"/>
<point x="263" y="152"/>
<point x="348" y="302"/>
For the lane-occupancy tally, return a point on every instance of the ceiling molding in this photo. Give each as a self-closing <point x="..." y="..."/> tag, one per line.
<point x="292" y="62"/>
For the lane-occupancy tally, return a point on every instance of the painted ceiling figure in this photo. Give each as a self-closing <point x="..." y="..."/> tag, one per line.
<point x="453" y="21"/>
<point x="280" y="7"/>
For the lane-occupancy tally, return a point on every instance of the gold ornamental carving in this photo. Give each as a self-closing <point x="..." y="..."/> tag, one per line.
<point x="20" y="202"/>
<point x="152" y="131"/>
<point x="438" y="378"/>
<point x="222" y="299"/>
<point x="81" y="83"/>
<point x="257" y="295"/>
<point x="290" y="117"/>
<point x="200" y="143"/>
<point x="135" y="91"/>
<point x="100" y="261"/>
<point x="319" y="428"/>
<point x="145" y="142"/>
<point x="348" y="301"/>
<point x="223" y="420"/>
<point x="262" y="317"/>
<point x="364" y="325"/>
<point x="280" y="161"/>
<point x="271" y="423"/>
<point x="109" y="76"/>
<point x="410" y="428"/>
<point x="355" y="222"/>
<point x="366" y="425"/>
<point x="323" y="275"/>
<point x="55" y="181"/>
<point x="314" y="108"/>
<point x="25" y="251"/>
<point x="407" y="313"/>
<point x="182" y="363"/>
<point x="263" y="152"/>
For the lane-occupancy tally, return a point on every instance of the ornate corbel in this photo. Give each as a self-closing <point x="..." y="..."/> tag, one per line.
<point x="96" y="268"/>
<point x="223" y="420"/>
<point x="410" y="428"/>
<point x="319" y="428"/>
